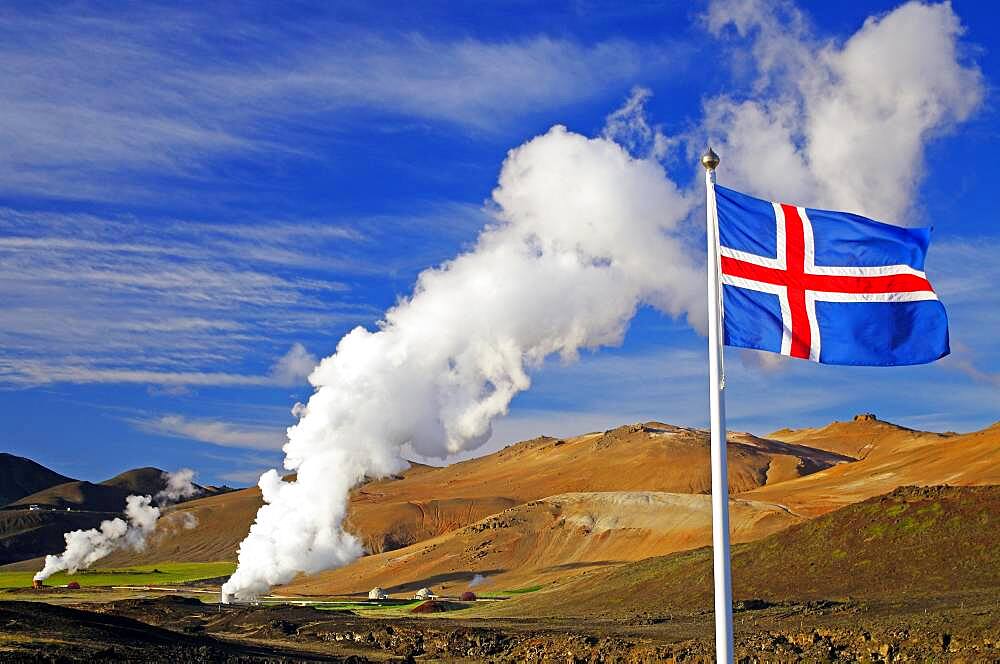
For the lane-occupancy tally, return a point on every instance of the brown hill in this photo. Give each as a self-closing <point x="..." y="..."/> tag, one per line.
<point x="639" y="457"/>
<point x="889" y="456"/>
<point x="146" y="481"/>
<point x="20" y="477"/>
<point x="150" y="481"/>
<point x="426" y="502"/>
<point x="913" y="540"/>
<point x="809" y="472"/>
<point x="857" y="438"/>
<point x="222" y="522"/>
<point x="548" y="539"/>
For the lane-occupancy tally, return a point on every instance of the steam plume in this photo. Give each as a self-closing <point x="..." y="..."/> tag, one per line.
<point x="85" y="547"/>
<point x="179" y="486"/>
<point x="583" y="235"/>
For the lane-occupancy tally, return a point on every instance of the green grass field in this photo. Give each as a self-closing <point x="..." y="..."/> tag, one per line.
<point x="512" y="591"/>
<point x="383" y="608"/>
<point x="161" y="574"/>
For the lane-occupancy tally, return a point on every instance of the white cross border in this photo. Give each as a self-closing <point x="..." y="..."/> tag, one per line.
<point x="780" y="262"/>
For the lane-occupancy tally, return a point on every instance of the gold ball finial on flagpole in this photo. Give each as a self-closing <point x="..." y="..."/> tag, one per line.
<point x="710" y="160"/>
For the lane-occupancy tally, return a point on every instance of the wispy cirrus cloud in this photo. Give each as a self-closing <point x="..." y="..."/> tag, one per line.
<point x="113" y="299"/>
<point x="216" y="432"/>
<point x="466" y="82"/>
<point x="965" y="274"/>
<point x="290" y="369"/>
<point x="91" y="299"/>
<point x="91" y="102"/>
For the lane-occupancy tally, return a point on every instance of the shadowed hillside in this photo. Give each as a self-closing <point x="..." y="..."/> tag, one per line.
<point x="146" y="481"/>
<point x="77" y="495"/>
<point x="20" y="477"/>
<point x="920" y="540"/>
<point x="25" y="534"/>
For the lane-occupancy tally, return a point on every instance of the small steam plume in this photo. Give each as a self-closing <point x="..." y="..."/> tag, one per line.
<point x="172" y="523"/>
<point x="179" y="486"/>
<point x="477" y="580"/>
<point x="85" y="547"/>
<point x="188" y="520"/>
<point x="583" y="235"/>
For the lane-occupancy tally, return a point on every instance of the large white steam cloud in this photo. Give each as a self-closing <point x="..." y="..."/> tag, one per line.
<point x="583" y="235"/>
<point x="85" y="547"/>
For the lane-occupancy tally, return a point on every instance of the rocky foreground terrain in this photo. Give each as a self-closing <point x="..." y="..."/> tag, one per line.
<point x="961" y="628"/>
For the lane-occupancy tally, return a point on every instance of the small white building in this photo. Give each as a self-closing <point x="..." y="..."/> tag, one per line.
<point x="377" y="593"/>
<point x="424" y="593"/>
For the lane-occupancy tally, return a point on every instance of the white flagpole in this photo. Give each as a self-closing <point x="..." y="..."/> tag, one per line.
<point x="717" y="400"/>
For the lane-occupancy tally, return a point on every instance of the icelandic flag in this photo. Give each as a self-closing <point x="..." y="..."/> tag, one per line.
<point x="831" y="287"/>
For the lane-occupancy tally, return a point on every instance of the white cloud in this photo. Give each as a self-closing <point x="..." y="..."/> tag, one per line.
<point x="841" y="126"/>
<point x="468" y="82"/>
<point x="216" y="432"/>
<point x="30" y="373"/>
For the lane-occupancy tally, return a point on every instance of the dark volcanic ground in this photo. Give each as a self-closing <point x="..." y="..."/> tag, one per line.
<point x="955" y="628"/>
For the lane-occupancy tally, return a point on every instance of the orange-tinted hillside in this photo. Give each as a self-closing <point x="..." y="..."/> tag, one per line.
<point x="545" y="540"/>
<point x="889" y="456"/>
<point x="425" y="502"/>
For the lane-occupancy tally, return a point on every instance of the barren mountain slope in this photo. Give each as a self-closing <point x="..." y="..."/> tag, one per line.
<point x="222" y="523"/>
<point x="548" y="539"/>
<point x="890" y="456"/>
<point x="913" y="540"/>
<point x="425" y="502"/>
<point x="639" y="457"/>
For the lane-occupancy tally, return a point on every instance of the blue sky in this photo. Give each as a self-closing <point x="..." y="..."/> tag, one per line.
<point x="197" y="202"/>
